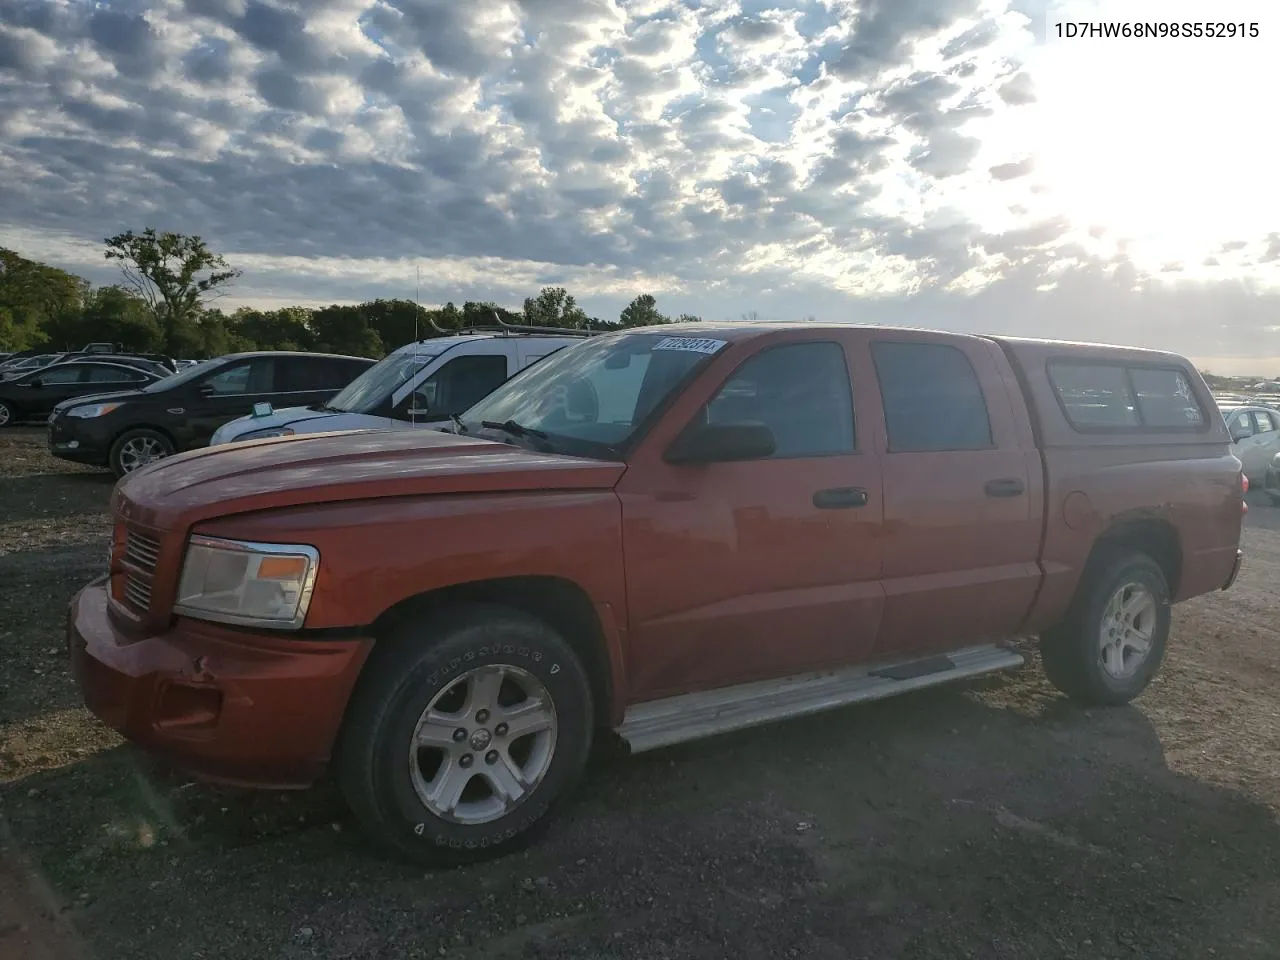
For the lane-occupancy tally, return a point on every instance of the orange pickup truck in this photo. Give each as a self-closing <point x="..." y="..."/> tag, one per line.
<point x="668" y="533"/>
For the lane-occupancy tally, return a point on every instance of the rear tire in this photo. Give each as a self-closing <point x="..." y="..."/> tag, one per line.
<point x="134" y="449"/>
<point x="429" y="757"/>
<point x="8" y="416"/>
<point x="1113" y="639"/>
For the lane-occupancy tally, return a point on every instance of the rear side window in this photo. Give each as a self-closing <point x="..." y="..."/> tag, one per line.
<point x="318" y="373"/>
<point x="1094" y="395"/>
<point x="932" y="398"/>
<point x="1111" y="395"/>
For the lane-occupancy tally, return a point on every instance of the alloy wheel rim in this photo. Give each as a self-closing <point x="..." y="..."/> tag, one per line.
<point x="139" y="452"/>
<point x="1128" y="626"/>
<point x="483" y="744"/>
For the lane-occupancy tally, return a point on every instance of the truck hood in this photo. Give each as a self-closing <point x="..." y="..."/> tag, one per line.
<point x="332" y="467"/>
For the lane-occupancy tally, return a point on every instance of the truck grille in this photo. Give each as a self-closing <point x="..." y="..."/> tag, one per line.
<point x="140" y="553"/>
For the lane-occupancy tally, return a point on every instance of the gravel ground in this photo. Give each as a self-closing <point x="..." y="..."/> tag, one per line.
<point x="984" y="820"/>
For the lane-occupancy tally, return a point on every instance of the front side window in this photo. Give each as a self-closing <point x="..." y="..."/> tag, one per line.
<point x="800" y="391"/>
<point x="1264" y="422"/>
<point x="593" y="398"/>
<point x="932" y="398"/>
<point x="460" y="383"/>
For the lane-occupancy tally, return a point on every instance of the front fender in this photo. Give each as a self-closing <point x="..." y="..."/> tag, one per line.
<point x="376" y="553"/>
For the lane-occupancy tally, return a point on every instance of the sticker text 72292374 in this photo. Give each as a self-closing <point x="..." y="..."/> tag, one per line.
<point x="690" y="344"/>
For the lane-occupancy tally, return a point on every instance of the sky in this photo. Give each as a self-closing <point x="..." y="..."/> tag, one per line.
<point x="958" y="164"/>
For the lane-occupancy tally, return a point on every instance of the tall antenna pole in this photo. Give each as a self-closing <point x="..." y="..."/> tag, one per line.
<point x="417" y="309"/>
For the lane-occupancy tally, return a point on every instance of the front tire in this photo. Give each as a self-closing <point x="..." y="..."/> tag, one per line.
<point x="1113" y="640"/>
<point x="135" y="449"/>
<point x="8" y="416"/>
<point x="463" y="734"/>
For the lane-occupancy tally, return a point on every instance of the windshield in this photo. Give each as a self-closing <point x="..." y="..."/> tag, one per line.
<point x="592" y="399"/>
<point x="373" y="388"/>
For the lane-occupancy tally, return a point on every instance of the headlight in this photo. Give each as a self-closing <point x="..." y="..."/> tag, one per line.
<point x="92" y="410"/>
<point x="269" y="432"/>
<point x="252" y="584"/>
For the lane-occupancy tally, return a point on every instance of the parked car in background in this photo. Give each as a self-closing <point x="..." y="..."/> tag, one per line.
<point x="130" y="428"/>
<point x="139" y="361"/>
<point x="667" y="532"/>
<point x="34" y="395"/>
<point x="421" y="384"/>
<point x="1255" y="438"/>
<point x="22" y="365"/>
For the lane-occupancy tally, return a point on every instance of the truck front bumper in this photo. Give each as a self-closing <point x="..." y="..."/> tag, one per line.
<point x="241" y="708"/>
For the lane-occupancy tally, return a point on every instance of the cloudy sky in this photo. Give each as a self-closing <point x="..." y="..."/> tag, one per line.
<point x="951" y="163"/>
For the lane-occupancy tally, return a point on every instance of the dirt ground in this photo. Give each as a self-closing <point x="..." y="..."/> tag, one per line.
<point x="987" y="820"/>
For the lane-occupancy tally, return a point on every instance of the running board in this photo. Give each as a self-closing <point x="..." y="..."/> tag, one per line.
<point x="661" y="723"/>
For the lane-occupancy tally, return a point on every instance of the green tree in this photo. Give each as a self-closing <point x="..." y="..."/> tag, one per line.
<point x="642" y="312"/>
<point x="687" y="318"/>
<point x="346" y="329"/>
<point x="37" y="298"/>
<point x="175" y="274"/>
<point x="115" y="315"/>
<point x="554" y="307"/>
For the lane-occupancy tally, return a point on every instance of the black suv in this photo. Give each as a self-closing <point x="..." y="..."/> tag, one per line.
<point x="127" y="429"/>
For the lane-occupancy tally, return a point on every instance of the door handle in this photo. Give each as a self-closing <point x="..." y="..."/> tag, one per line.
<point x="840" y="498"/>
<point x="1007" y="487"/>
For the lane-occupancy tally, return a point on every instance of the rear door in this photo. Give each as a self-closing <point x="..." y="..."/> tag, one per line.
<point x="51" y="386"/>
<point x="224" y="394"/>
<point x="303" y="381"/>
<point x="961" y="523"/>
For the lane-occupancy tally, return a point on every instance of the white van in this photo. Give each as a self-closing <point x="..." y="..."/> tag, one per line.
<point x="421" y="384"/>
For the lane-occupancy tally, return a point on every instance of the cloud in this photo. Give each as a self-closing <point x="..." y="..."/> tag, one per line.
<point x="898" y="159"/>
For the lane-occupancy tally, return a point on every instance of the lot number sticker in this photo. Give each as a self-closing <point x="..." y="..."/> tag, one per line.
<point x="690" y="344"/>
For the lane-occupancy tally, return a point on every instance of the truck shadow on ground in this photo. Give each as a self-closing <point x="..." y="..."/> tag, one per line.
<point x="991" y="820"/>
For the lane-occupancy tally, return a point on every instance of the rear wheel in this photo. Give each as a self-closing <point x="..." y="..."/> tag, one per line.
<point x="463" y="734"/>
<point x="1113" y="639"/>
<point x="137" y="448"/>
<point x="7" y="415"/>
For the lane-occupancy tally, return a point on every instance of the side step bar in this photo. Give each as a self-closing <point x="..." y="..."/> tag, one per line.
<point x="661" y="723"/>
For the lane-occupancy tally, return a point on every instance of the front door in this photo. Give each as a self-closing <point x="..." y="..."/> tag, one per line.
<point x="454" y="384"/>
<point x="962" y="515"/>
<point x="763" y="568"/>
<point x="223" y="395"/>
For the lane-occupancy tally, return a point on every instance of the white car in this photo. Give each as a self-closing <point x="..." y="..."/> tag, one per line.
<point x="421" y="384"/>
<point x="1255" y="438"/>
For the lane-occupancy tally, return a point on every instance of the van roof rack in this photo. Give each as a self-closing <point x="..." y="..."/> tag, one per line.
<point x="506" y="329"/>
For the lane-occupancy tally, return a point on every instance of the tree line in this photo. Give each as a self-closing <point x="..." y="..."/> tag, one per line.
<point x="166" y="303"/>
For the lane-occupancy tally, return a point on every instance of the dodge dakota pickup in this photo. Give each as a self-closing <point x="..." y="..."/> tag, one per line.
<point x="658" y="535"/>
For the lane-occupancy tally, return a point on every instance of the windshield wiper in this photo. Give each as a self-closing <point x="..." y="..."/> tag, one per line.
<point x="458" y="425"/>
<point x="513" y="428"/>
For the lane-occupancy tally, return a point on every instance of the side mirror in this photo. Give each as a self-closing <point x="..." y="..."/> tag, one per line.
<point x="722" y="443"/>
<point x="206" y="390"/>
<point x="1239" y="432"/>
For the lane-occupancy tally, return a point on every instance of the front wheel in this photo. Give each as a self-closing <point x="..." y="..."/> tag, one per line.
<point x="463" y="734"/>
<point x="137" y="448"/>
<point x="1113" y="639"/>
<point x="7" y="415"/>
